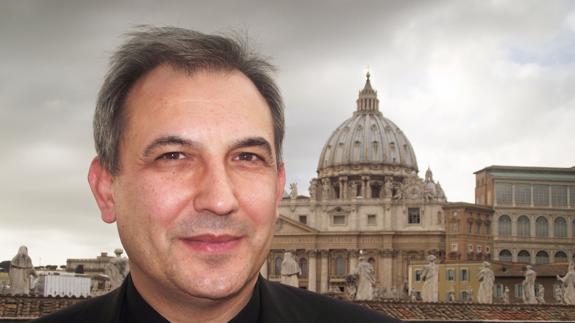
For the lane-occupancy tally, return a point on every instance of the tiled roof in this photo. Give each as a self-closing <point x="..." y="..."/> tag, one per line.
<point x="467" y="312"/>
<point x="29" y="307"/>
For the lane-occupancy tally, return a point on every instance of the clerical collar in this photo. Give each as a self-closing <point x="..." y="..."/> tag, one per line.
<point x="137" y="310"/>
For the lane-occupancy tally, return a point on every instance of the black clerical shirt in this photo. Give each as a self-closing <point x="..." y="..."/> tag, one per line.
<point x="137" y="310"/>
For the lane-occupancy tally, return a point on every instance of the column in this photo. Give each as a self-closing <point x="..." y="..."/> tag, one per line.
<point x="264" y="269"/>
<point x="324" y="272"/>
<point x="367" y="192"/>
<point x="311" y="273"/>
<point x="352" y="255"/>
<point x="384" y="270"/>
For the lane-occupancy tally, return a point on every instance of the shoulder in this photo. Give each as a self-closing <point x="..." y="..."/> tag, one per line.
<point x="304" y="305"/>
<point x="98" y="309"/>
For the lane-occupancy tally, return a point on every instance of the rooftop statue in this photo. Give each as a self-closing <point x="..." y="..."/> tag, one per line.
<point x="429" y="276"/>
<point x="290" y="270"/>
<point x="486" y="281"/>
<point x="117" y="269"/>
<point x="21" y="273"/>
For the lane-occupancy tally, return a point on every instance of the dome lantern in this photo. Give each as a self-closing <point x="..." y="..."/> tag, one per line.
<point x="367" y="101"/>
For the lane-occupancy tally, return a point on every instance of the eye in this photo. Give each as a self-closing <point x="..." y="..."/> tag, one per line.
<point x="173" y="155"/>
<point x="251" y="157"/>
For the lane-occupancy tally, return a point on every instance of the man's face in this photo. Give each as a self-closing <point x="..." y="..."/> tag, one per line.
<point x="197" y="193"/>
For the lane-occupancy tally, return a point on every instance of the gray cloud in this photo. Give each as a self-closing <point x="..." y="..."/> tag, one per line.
<point x="471" y="84"/>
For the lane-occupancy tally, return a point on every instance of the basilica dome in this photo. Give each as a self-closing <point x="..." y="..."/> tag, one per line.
<point x="367" y="139"/>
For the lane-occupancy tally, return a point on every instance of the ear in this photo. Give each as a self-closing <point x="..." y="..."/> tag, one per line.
<point x="101" y="184"/>
<point x="281" y="182"/>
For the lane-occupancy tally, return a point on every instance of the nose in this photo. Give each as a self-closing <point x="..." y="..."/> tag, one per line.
<point x="216" y="192"/>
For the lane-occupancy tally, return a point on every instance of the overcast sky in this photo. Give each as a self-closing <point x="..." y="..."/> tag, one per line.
<point x="471" y="84"/>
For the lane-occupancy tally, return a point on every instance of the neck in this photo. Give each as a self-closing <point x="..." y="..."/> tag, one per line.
<point x="178" y="306"/>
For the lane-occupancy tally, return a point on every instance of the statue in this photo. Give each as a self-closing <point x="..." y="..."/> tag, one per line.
<point x="440" y="192"/>
<point x="365" y="280"/>
<point x="354" y="189"/>
<point x="289" y="270"/>
<point x="117" y="269"/>
<point x="430" y="292"/>
<point x="293" y="191"/>
<point x="568" y="285"/>
<point x="313" y="189"/>
<point x="540" y="294"/>
<point x="387" y="186"/>
<point x="21" y="273"/>
<point x="326" y="189"/>
<point x="506" y="295"/>
<point x="529" y="286"/>
<point x="398" y="192"/>
<point x="486" y="281"/>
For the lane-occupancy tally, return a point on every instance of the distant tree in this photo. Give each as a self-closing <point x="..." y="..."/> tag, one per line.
<point x="5" y="266"/>
<point x="63" y="267"/>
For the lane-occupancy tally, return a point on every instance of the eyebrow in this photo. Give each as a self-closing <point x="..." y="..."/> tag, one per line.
<point x="167" y="141"/>
<point x="254" y="142"/>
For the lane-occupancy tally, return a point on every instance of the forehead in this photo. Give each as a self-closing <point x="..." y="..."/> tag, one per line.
<point x="167" y="100"/>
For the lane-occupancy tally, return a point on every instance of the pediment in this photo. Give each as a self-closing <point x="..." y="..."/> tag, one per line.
<point x="287" y="226"/>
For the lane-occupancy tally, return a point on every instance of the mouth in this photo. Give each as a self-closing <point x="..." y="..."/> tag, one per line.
<point x="212" y="243"/>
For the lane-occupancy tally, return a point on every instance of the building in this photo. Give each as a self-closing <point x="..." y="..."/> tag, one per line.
<point x="534" y="219"/>
<point x="467" y="232"/>
<point x="457" y="282"/>
<point x="367" y="198"/>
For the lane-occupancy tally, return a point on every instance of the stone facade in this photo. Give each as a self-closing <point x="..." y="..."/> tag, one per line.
<point x="534" y="220"/>
<point x="368" y="199"/>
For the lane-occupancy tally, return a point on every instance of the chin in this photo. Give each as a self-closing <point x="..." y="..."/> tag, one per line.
<point x="212" y="284"/>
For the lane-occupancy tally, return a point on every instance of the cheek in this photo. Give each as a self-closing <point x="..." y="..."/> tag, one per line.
<point x="151" y="201"/>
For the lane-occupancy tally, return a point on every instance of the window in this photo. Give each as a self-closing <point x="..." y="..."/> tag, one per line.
<point x="454" y="247"/>
<point x="524" y="257"/>
<point x="413" y="215"/>
<point x="303" y="219"/>
<point x="375" y="191"/>
<point x="488" y="227"/>
<point x="498" y="290"/>
<point x="464" y="275"/>
<point x="541" y="195"/>
<point x="503" y="193"/>
<point x="464" y="296"/>
<point x="505" y="255"/>
<point x="418" y="275"/>
<point x="339" y="219"/>
<point x="478" y="249"/>
<point x="572" y="196"/>
<point x="455" y="227"/>
<point x="478" y="228"/>
<point x="541" y="227"/>
<point x="371" y="219"/>
<point x="450" y="275"/>
<point x="560" y="256"/>
<point x="451" y="296"/>
<point x="560" y="228"/>
<point x="339" y="266"/>
<point x="522" y="194"/>
<point x="541" y="258"/>
<point x="469" y="227"/>
<point x="518" y="291"/>
<point x="504" y="225"/>
<point x="487" y="249"/>
<point x="559" y="196"/>
<point x="523" y="227"/>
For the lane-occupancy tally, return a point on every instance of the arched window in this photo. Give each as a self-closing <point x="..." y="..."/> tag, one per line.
<point x="278" y="265"/>
<point x="560" y="256"/>
<point x="504" y="225"/>
<point x="560" y="228"/>
<point x="303" y="266"/>
<point x="542" y="257"/>
<point x="541" y="227"/>
<point x="505" y="255"/>
<point x="524" y="257"/>
<point x="523" y="226"/>
<point x="339" y="266"/>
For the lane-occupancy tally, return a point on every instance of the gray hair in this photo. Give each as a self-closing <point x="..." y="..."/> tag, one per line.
<point x="186" y="50"/>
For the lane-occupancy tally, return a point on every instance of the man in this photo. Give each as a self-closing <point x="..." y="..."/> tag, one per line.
<point x="188" y="130"/>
